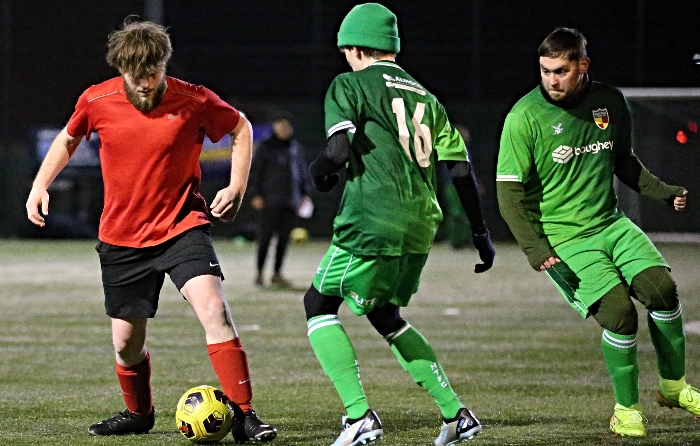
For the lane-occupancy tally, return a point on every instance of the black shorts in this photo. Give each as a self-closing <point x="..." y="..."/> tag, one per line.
<point x="132" y="277"/>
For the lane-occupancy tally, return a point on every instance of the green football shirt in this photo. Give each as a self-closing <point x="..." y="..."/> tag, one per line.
<point x="565" y="157"/>
<point x="397" y="130"/>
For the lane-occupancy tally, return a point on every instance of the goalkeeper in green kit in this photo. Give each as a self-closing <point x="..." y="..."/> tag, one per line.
<point x="388" y="132"/>
<point x="561" y="146"/>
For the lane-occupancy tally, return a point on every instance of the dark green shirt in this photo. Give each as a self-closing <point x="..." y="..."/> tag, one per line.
<point x="397" y="130"/>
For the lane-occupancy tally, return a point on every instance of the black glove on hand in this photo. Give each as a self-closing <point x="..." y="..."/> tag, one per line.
<point x="482" y="243"/>
<point x="326" y="182"/>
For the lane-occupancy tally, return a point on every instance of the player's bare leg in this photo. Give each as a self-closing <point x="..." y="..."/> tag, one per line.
<point x="134" y="372"/>
<point x="205" y="294"/>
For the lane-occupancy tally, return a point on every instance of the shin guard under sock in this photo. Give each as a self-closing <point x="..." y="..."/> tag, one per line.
<point x="135" y="382"/>
<point x="230" y="364"/>
<point x="620" y="353"/>
<point x="417" y="357"/>
<point x="337" y="357"/>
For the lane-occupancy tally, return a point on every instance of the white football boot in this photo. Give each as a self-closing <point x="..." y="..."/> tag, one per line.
<point x="463" y="427"/>
<point x="366" y="430"/>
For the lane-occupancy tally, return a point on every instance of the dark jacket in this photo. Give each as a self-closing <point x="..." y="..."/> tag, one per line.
<point x="279" y="173"/>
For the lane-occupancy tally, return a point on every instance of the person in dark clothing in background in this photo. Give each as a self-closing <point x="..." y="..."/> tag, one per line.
<point x="280" y="187"/>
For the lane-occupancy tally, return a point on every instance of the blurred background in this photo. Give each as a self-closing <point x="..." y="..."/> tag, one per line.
<point x="269" y="57"/>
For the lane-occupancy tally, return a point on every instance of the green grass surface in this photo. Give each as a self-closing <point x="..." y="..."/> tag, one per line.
<point x="516" y="353"/>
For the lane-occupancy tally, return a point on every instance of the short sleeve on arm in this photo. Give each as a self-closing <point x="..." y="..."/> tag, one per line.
<point x="515" y="152"/>
<point x="219" y="117"/>
<point x="79" y="124"/>
<point x="448" y="143"/>
<point x="623" y="129"/>
<point x="340" y="111"/>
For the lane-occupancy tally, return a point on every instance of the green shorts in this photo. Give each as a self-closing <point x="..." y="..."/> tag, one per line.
<point x="365" y="282"/>
<point x="592" y="267"/>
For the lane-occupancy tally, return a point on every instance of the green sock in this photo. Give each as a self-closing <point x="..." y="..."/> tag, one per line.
<point x="337" y="357"/>
<point x="417" y="357"/>
<point x="620" y="353"/>
<point x="666" y="330"/>
<point x="671" y="388"/>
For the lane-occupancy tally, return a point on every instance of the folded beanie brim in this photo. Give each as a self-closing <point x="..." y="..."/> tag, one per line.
<point x="377" y="41"/>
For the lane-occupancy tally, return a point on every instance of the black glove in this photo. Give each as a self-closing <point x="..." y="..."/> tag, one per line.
<point x="482" y="243"/>
<point x="326" y="182"/>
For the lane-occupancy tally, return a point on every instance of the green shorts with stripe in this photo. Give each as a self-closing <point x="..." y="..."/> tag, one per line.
<point x="365" y="282"/>
<point x="592" y="267"/>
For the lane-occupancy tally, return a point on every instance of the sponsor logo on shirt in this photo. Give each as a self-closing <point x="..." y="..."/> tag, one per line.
<point x="557" y="129"/>
<point x="403" y="84"/>
<point x="563" y="154"/>
<point x="601" y="118"/>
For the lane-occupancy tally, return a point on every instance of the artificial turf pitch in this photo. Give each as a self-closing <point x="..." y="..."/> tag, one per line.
<point x="528" y="366"/>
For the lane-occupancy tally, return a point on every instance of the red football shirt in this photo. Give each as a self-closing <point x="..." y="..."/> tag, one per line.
<point x="150" y="161"/>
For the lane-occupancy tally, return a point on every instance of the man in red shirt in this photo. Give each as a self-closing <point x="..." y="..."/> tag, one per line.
<point x="151" y="128"/>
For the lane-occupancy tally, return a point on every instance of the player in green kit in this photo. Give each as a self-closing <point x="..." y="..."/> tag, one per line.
<point x="561" y="146"/>
<point x="388" y="131"/>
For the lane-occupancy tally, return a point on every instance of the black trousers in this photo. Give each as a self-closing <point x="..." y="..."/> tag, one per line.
<point x="275" y="221"/>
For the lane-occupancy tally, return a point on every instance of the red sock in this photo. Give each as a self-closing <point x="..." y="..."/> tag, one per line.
<point x="135" y="382"/>
<point x="231" y="367"/>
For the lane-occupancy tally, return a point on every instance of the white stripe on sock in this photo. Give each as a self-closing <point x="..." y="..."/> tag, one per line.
<point x="398" y="332"/>
<point x="321" y="322"/>
<point x="321" y="318"/>
<point x="667" y="316"/>
<point x="619" y="343"/>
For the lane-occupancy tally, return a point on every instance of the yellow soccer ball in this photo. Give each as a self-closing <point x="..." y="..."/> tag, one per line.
<point x="203" y="416"/>
<point x="299" y="235"/>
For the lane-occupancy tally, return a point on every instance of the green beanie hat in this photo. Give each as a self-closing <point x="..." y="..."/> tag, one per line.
<point x="370" y="25"/>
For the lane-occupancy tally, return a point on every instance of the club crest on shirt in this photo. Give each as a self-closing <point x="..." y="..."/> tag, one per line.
<point x="601" y="118"/>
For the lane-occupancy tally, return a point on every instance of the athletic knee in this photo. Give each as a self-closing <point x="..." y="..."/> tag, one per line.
<point x="655" y="289"/>
<point x="615" y="312"/>
<point x="129" y="340"/>
<point x="386" y="319"/>
<point x="622" y="326"/>
<point x="129" y="353"/>
<point x="212" y="313"/>
<point x="317" y="304"/>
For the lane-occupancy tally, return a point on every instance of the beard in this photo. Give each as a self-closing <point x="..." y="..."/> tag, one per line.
<point x="145" y="104"/>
